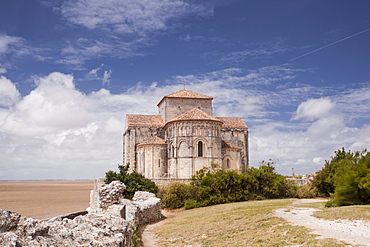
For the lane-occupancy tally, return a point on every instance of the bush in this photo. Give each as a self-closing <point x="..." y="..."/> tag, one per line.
<point x="175" y="195"/>
<point x="210" y="186"/>
<point x="133" y="181"/>
<point x="307" y="191"/>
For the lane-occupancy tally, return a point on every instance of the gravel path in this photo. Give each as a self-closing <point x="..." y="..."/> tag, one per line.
<point x="352" y="232"/>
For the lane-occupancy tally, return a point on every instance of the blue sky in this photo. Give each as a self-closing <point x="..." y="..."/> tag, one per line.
<point x="297" y="72"/>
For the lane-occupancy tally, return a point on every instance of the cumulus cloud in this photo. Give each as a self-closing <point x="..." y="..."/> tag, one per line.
<point x="9" y="94"/>
<point x="54" y="105"/>
<point x="314" y="109"/>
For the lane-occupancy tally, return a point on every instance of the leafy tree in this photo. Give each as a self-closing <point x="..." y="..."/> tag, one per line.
<point x="325" y="178"/>
<point x="346" y="178"/>
<point x="268" y="184"/>
<point x="133" y="181"/>
<point x="352" y="184"/>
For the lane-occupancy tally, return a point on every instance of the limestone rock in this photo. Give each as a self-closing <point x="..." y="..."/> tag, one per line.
<point x="86" y="230"/>
<point x="111" y="194"/>
<point x="149" y="207"/>
<point x="8" y="220"/>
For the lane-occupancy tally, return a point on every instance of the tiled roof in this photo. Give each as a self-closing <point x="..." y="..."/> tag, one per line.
<point x="153" y="141"/>
<point x="184" y="93"/>
<point x="193" y="115"/>
<point x="144" y="120"/>
<point x="227" y="144"/>
<point x="232" y="123"/>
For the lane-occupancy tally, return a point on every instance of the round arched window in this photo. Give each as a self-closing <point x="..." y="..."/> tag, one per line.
<point x="200" y="149"/>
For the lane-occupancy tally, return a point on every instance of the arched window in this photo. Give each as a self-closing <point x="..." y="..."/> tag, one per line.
<point x="200" y="149"/>
<point x="227" y="164"/>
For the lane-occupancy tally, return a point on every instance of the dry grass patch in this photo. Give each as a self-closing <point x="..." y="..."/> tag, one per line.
<point x="237" y="224"/>
<point x="358" y="212"/>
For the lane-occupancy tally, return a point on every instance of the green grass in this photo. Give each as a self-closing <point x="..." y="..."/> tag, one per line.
<point x="249" y="223"/>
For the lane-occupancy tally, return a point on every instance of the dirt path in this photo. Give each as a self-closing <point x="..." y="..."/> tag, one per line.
<point x="352" y="232"/>
<point x="148" y="237"/>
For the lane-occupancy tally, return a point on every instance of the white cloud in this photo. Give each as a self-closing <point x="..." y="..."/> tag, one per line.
<point x="93" y="74"/>
<point x="6" y="42"/>
<point x="2" y="70"/>
<point x="15" y="46"/>
<point x="137" y="17"/>
<point x="54" y="105"/>
<point x="9" y="94"/>
<point x="314" y="109"/>
<point x="75" y="53"/>
<point x="257" y="51"/>
<point x="106" y="77"/>
<point x="119" y="28"/>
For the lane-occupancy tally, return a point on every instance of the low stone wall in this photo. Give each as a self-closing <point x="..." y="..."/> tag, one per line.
<point x="110" y="221"/>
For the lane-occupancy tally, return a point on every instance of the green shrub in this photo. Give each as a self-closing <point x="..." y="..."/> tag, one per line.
<point x="307" y="191"/>
<point x="210" y="186"/>
<point x="133" y="181"/>
<point x="174" y="195"/>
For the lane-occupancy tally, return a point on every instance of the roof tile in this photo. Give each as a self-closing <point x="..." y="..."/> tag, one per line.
<point x="232" y="123"/>
<point x="153" y="141"/>
<point x="144" y="120"/>
<point x="193" y="115"/>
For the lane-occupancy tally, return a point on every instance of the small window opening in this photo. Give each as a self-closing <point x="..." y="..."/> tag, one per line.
<point x="200" y="149"/>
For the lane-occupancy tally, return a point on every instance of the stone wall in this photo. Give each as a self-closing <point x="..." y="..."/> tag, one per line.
<point x="238" y="137"/>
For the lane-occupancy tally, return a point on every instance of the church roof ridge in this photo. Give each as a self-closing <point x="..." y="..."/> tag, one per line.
<point x="153" y="141"/>
<point x="187" y="94"/>
<point x="136" y="120"/>
<point x="194" y="115"/>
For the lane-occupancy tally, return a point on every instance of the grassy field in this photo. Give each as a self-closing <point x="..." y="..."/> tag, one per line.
<point x="249" y="223"/>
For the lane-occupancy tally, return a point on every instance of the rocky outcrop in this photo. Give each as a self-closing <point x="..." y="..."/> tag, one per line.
<point x="110" y="221"/>
<point x="87" y="230"/>
<point x="106" y="199"/>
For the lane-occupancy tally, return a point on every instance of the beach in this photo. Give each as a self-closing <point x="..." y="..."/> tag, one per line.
<point x="45" y="199"/>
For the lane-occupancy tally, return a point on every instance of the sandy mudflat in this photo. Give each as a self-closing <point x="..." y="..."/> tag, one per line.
<point x="45" y="199"/>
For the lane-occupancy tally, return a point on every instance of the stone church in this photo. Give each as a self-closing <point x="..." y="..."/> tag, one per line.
<point x="183" y="138"/>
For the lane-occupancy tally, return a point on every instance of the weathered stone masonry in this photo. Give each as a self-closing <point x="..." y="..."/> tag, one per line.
<point x="183" y="138"/>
